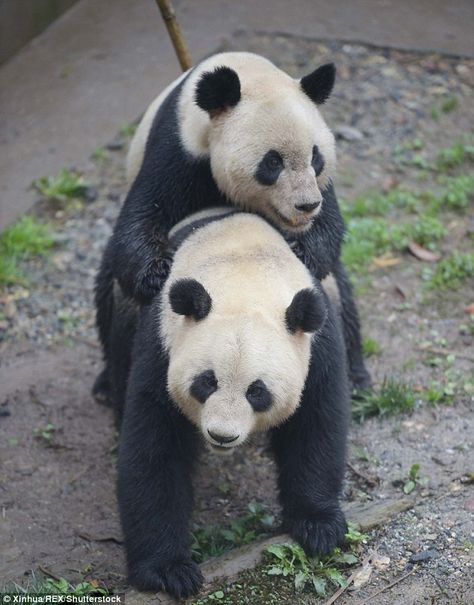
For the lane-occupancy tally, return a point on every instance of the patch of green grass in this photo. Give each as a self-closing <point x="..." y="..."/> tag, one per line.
<point x="290" y="560"/>
<point x="66" y="185"/>
<point x="370" y="237"/>
<point x="21" y="241"/>
<point x="450" y="272"/>
<point x="391" y="398"/>
<point x="437" y="394"/>
<point x="370" y="347"/>
<point x="454" y="156"/>
<point x="60" y="586"/>
<point x="213" y="541"/>
<point x="457" y="193"/>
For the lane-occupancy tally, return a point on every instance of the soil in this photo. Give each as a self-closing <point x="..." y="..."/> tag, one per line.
<point x="57" y="491"/>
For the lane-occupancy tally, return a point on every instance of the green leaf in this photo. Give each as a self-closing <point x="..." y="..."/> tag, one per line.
<point x="275" y="571"/>
<point x="409" y="487"/>
<point x="319" y="585"/>
<point x="279" y="550"/>
<point x="414" y="471"/>
<point x="300" y="580"/>
<point x="347" y="558"/>
<point x="336" y="577"/>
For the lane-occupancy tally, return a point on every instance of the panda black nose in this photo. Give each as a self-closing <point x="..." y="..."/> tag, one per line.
<point x="222" y="438"/>
<point x="307" y="207"/>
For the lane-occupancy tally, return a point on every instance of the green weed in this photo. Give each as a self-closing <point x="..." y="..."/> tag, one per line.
<point x="58" y="587"/>
<point x="290" y="560"/>
<point x="458" y="192"/>
<point x="438" y="393"/>
<point x="414" y="479"/>
<point x="391" y="398"/>
<point x="370" y="237"/>
<point x="213" y="541"/>
<point x="45" y="433"/>
<point x="21" y="241"/>
<point x="370" y="347"/>
<point x="65" y="186"/>
<point x="450" y="272"/>
<point x="454" y="156"/>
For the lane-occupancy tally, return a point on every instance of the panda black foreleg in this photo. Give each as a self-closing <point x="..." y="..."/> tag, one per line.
<point x="358" y="374"/>
<point x="157" y="451"/>
<point x="310" y="452"/>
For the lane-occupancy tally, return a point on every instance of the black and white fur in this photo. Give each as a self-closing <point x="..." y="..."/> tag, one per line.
<point x="241" y="339"/>
<point x="233" y="130"/>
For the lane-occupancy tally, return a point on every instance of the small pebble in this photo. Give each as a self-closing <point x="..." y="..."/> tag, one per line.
<point x="425" y="555"/>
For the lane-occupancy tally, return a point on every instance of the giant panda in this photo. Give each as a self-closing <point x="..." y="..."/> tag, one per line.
<point x="241" y="339"/>
<point x="234" y="130"/>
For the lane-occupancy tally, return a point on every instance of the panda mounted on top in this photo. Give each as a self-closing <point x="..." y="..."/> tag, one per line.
<point x="234" y="130"/>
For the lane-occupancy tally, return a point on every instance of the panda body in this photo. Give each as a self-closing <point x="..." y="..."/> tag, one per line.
<point x="241" y="339"/>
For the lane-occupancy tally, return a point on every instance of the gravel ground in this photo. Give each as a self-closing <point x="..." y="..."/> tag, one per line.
<point x="57" y="496"/>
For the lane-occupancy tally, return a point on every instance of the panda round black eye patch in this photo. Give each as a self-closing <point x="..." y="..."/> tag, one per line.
<point x="259" y="396"/>
<point x="203" y="386"/>
<point x="269" y="168"/>
<point x="317" y="161"/>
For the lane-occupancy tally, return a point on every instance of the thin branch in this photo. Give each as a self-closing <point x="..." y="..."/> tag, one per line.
<point x="175" y="33"/>
<point x="46" y="572"/>
<point x="350" y="579"/>
<point x="391" y="585"/>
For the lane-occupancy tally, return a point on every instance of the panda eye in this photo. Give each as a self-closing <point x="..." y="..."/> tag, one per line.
<point x="317" y="161"/>
<point x="259" y="396"/>
<point x="274" y="160"/>
<point x="203" y="386"/>
<point x="269" y="168"/>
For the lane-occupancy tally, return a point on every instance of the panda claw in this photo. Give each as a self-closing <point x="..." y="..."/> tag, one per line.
<point x="180" y="579"/>
<point x="319" y="536"/>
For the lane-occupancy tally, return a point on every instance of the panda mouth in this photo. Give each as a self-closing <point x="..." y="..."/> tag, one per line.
<point x="300" y="225"/>
<point x="219" y="448"/>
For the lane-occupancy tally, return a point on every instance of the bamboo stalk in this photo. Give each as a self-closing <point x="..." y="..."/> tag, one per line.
<point x="175" y="33"/>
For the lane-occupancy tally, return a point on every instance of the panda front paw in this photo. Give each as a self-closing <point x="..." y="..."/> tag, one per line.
<point x="180" y="579"/>
<point x="319" y="535"/>
<point x="151" y="279"/>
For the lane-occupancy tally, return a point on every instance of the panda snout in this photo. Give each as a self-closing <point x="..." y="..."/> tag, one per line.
<point x="307" y="207"/>
<point x="222" y="439"/>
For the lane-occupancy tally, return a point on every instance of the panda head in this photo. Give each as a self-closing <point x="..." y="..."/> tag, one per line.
<point x="233" y="374"/>
<point x="270" y="150"/>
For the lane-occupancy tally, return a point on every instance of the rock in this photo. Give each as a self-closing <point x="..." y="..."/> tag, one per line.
<point x="348" y="133"/>
<point x="424" y="555"/>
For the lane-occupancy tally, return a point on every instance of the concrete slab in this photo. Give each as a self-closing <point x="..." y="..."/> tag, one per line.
<point x="99" y="65"/>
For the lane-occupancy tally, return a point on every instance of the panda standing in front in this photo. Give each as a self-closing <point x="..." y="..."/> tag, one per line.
<point x="235" y="130"/>
<point x="241" y="339"/>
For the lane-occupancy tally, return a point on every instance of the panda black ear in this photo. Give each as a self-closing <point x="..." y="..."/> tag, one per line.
<point x="188" y="297"/>
<point x="318" y="85"/>
<point x="218" y="90"/>
<point x="307" y="312"/>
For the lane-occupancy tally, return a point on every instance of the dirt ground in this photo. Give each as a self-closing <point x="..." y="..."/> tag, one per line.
<point x="57" y="494"/>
